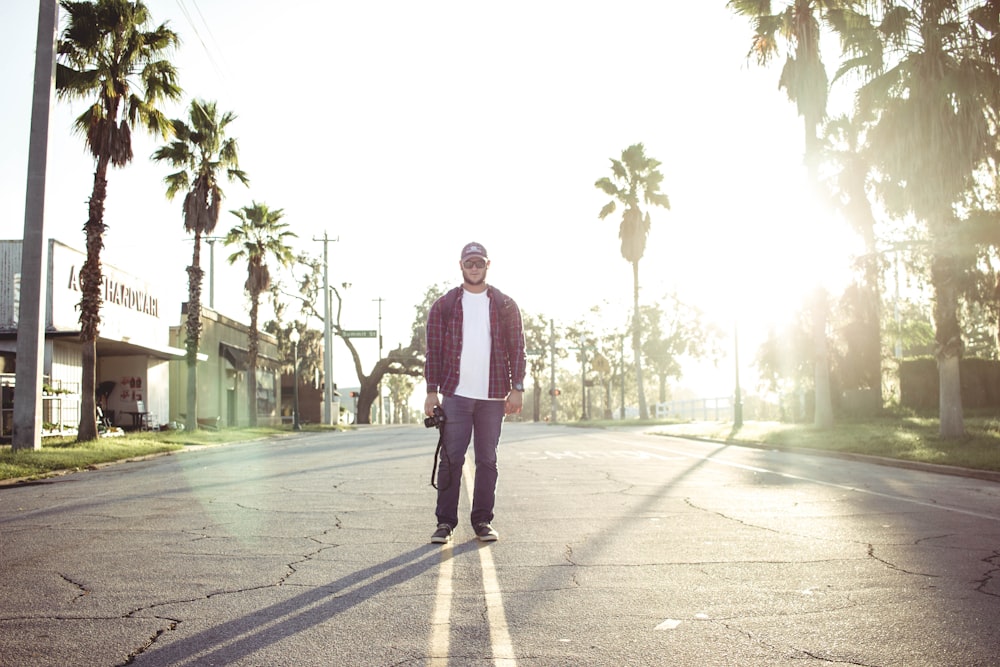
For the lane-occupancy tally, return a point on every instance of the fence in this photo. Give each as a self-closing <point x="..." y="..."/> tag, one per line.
<point x="697" y="409"/>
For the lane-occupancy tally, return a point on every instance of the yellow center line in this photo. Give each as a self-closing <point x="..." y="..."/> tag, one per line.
<point x="502" y="648"/>
<point x="441" y="620"/>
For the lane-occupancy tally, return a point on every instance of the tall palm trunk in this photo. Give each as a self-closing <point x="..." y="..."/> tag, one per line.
<point x="948" y="344"/>
<point x="853" y="184"/>
<point x="252" y="363"/>
<point x="195" y="275"/>
<point x="637" y="341"/>
<point x="822" y="394"/>
<point x="823" y="418"/>
<point x="860" y="211"/>
<point x="90" y="302"/>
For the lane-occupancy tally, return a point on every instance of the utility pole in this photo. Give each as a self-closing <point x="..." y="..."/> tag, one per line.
<point x="621" y="363"/>
<point x="583" y="377"/>
<point x="327" y="334"/>
<point x="552" y="368"/>
<point x="381" y="405"/>
<point x="738" y="400"/>
<point x="27" y="431"/>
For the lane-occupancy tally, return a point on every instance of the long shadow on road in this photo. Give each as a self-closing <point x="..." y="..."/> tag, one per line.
<point x="241" y="637"/>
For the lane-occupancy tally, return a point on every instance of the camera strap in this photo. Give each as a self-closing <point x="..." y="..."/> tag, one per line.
<point x="437" y="453"/>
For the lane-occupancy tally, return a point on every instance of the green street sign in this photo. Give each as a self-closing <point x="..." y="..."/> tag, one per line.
<point x="358" y="333"/>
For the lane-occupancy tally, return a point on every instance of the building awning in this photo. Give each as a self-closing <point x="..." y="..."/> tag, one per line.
<point x="107" y="347"/>
<point x="235" y="356"/>
<point x="240" y="358"/>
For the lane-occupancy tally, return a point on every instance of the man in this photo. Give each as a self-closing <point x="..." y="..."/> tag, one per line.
<point x="475" y="359"/>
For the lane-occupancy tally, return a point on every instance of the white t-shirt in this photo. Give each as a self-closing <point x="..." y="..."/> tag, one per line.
<point x="474" y="369"/>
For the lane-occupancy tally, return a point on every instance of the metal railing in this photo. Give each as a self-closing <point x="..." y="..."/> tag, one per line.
<point x="719" y="408"/>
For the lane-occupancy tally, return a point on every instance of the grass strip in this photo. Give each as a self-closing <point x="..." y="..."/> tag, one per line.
<point x="905" y="438"/>
<point x="61" y="454"/>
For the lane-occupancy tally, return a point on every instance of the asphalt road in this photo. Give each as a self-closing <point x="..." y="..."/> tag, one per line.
<point x="616" y="548"/>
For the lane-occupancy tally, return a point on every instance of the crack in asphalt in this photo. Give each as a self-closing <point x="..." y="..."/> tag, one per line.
<point x="779" y="649"/>
<point x="174" y="623"/>
<point x="870" y="547"/>
<point x="893" y="566"/>
<point x="83" y="591"/>
<point x="568" y="555"/>
<point x="152" y="640"/>
<point x="987" y="579"/>
<point x="690" y="503"/>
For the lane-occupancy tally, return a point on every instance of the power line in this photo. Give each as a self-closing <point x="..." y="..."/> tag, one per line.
<point x="208" y="53"/>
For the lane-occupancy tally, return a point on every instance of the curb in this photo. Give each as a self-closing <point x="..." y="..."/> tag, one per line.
<point x="954" y="471"/>
<point x="43" y="477"/>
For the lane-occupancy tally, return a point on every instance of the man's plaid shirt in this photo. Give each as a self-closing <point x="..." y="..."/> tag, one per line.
<point x="444" y="344"/>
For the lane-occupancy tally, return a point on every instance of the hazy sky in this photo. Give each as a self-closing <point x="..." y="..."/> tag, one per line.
<point x="406" y="129"/>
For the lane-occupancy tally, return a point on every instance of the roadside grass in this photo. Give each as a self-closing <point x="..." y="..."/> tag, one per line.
<point x="64" y="454"/>
<point x="904" y="437"/>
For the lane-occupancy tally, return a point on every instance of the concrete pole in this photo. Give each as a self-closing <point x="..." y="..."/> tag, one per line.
<point x="621" y="365"/>
<point x="27" y="432"/>
<point x="552" y="369"/>
<point x="328" y="417"/>
<point x="738" y="396"/>
<point x="327" y="338"/>
<point x="381" y="403"/>
<point x="210" y="240"/>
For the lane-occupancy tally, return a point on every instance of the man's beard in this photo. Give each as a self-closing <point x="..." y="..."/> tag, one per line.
<point x="469" y="281"/>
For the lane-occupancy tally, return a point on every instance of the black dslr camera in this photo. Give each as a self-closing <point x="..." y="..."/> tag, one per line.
<point x="436" y="420"/>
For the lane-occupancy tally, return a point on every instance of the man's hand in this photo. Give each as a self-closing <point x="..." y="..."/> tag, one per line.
<point x="514" y="400"/>
<point x="431" y="402"/>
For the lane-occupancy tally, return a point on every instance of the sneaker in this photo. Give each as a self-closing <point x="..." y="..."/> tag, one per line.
<point x="486" y="533"/>
<point x="442" y="535"/>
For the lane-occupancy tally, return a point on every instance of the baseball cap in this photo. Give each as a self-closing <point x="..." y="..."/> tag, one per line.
<point x="474" y="250"/>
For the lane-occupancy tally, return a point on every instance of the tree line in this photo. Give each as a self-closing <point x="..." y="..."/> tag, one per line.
<point x="912" y="166"/>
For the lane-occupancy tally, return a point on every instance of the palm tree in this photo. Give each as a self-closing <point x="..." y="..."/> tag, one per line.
<point x="804" y="79"/>
<point x="108" y="56"/>
<point x="200" y="151"/>
<point x="844" y="150"/>
<point x="635" y="180"/>
<point x="932" y="88"/>
<point x="259" y="233"/>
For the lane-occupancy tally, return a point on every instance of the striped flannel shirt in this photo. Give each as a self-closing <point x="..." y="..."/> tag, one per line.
<point x="444" y="344"/>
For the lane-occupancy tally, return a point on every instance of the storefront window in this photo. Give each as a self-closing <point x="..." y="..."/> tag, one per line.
<point x="266" y="395"/>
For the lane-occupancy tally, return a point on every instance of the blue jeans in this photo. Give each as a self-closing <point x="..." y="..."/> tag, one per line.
<point x="479" y="421"/>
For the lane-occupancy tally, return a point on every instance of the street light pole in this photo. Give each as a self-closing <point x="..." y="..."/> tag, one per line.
<point x="621" y="365"/>
<point x="381" y="404"/>
<point x="583" y="376"/>
<point x="328" y="416"/>
<point x="210" y="240"/>
<point x="552" y="369"/>
<point x="738" y="398"/>
<point x="294" y="338"/>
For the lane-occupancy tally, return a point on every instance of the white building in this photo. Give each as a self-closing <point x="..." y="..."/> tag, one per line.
<point x="136" y="356"/>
